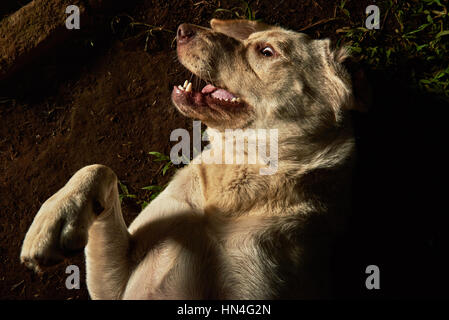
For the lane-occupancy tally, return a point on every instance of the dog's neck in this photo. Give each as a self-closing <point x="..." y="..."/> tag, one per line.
<point x="296" y="157"/>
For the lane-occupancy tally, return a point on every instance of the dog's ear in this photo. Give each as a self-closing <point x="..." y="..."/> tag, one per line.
<point x="342" y="55"/>
<point x="361" y="88"/>
<point x="239" y="28"/>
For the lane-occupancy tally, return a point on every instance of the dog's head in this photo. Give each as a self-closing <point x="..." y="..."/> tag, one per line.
<point x="258" y="75"/>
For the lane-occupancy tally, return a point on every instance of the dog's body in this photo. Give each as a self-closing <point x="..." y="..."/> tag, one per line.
<point x="224" y="230"/>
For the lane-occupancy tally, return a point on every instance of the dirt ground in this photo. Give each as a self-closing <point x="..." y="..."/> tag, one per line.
<point x="101" y="98"/>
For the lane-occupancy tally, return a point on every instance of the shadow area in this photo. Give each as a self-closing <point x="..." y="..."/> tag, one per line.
<point x="400" y="221"/>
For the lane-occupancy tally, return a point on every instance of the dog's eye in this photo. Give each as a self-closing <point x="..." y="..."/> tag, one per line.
<point x="267" y="51"/>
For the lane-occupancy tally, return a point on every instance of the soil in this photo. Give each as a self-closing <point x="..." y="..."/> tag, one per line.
<point x="101" y="98"/>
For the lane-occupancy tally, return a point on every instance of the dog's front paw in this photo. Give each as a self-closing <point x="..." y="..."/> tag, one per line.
<point x="58" y="230"/>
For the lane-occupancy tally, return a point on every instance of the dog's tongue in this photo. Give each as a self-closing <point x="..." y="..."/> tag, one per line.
<point x="208" y="89"/>
<point x="217" y="93"/>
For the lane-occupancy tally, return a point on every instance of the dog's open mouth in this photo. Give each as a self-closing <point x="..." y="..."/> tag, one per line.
<point x="208" y="96"/>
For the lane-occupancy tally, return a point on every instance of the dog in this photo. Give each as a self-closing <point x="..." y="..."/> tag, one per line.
<point x="224" y="231"/>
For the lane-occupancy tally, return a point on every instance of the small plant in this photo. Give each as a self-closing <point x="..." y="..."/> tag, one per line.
<point x="417" y="44"/>
<point x="125" y="192"/>
<point x="127" y="27"/>
<point x="162" y="158"/>
<point x="154" y="192"/>
<point x="242" y="12"/>
<point x="343" y="9"/>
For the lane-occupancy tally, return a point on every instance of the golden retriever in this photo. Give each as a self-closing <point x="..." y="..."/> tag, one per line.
<point x="224" y="231"/>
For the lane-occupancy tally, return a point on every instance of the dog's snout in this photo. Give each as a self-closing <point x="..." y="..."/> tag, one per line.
<point x="185" y="33"/>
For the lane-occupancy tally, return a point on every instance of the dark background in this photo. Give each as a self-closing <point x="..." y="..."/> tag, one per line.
<point x="103" y="96"/>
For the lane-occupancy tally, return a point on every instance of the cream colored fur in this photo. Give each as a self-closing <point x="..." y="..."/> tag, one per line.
<point x="224" y="231"/>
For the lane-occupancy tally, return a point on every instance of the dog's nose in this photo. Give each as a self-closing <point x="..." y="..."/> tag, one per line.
<point x="185" y="33"/>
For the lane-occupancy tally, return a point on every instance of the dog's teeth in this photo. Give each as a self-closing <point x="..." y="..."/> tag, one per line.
<point x="226" y="99"/>
<point x="185" y="83"/>
<point x="237" y="99"/>
<point x="189" y="87"/>
<point x="234" y="100"/>
<point x="180" y="88"/>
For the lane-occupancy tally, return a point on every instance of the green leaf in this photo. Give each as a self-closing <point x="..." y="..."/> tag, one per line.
<point x="440" y="75"/>
<point x="155" y="153"/>
<point x="419" y="48"/>
<point x="122" y="196"/>
<point x="152" y="188"/>
<point x="123" y="188"/>
<point x="159" y="156"/>
<point x="166" y="167"/>
<point x="144" y="204"/>
<point x="356" y="49"/>
<point x="420" y="28"/>
<point x="222" y="10"/>
<point x="442" y="33"/>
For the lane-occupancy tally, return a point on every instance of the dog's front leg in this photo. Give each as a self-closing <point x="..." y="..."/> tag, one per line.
<point x="86" y="211"/>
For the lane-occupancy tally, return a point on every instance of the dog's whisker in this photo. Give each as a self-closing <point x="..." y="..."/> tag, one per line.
<point x="197" y="82"/>
<point x="191" y="77"/>
<point x="210" y="78"/>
